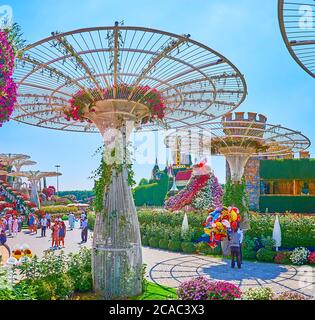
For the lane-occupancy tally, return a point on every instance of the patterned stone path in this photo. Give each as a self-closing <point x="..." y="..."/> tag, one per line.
<point x="178" y="268"/>
<point x="171" y="269"/>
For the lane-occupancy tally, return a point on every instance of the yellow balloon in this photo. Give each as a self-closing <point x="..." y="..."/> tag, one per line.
<point x="207" y="231"/>
<point x="233" y="215"/>
<point x="219" y="225"/>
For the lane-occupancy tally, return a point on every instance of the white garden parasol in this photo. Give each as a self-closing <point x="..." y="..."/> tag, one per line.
<point x="276" y="234"/>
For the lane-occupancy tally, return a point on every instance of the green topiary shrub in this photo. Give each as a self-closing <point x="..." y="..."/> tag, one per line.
<point x="283" y="257"/>
<point x="145" y="241"/>
<point x="249" y="254"/>
<point x="174" y="245"/>
<point x="268" y="243"/>
<point x="265" y="255"/>
<point x="204" y="248"/>
<point x="64" y="287"/>
<point x="154" y="242"/>
<point x="44" y="289"/>
<point x="163" y="244"/>
<point x="188" y="247"/>
<point x="54" y="287"/>
<point x="84" y="282"/>
<point x="248" y="248"/>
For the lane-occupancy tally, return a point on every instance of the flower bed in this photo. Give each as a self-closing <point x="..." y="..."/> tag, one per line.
<point x="142" y="94"/>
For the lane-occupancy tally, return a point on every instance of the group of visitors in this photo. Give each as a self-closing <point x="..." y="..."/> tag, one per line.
<point x="11" y="224"/>
<point x="58" y="234"/>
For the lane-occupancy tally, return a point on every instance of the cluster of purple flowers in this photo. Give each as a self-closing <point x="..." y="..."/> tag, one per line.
<point x="202" y="288"/>
<point x="7" y="85"/>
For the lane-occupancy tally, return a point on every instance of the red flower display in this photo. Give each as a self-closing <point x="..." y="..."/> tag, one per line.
<point x="7" y="86"/>
<point x="185" y="196"/>
<point x="311" y="258"/>
<point x="142" y="94"/>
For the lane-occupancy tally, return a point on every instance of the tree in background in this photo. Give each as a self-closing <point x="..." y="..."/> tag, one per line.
<point x="235" y="195"/>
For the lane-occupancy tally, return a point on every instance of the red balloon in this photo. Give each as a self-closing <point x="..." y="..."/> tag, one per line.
<point x="234" y="225"/>
<point x="238" y="218"/>
<point x="218" y="237"/>
<point x="212" y="244"/>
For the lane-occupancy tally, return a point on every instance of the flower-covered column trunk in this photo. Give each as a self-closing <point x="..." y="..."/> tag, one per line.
<point x="117" y="255"/>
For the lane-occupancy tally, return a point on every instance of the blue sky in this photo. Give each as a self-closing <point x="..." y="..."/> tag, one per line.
<point x="244" y="32"/>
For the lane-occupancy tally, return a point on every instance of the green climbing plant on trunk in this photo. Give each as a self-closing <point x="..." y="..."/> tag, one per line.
<point x="235" y="194"/>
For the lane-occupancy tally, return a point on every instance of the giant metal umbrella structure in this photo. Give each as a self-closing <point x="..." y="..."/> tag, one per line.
<point x="296" y="19"/>
<point x="34" y="178"/>
<point x="10" y="158"/>
<point x="118" y="78"/>
<point x="18" y="164"/>
<point x="238" y="137"/>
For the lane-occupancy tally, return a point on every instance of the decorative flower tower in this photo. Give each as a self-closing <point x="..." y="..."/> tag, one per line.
<point x="239" y="137"/>
<point x="112" y="80"/>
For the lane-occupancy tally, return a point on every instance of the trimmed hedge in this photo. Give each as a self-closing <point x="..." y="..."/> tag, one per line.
<point x="296" y="230"/>
<point x="265" y="255"/>
<point x="174" y="245"/>
<point x="287" y="169"/>
<point x="152" y="194"/>
<point x="281" y="204"/>
<point x="58" y="209"/>
<point x="163" y="244"/>
<point x="154" y="242"/>
<point x="188" y="247"/>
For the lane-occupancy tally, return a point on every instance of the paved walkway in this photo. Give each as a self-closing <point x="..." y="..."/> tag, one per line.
<point x="38" y="244"/>
<point x="171" y="269"/>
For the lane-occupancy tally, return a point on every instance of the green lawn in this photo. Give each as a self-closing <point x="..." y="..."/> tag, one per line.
<point x="152" y="292"/>
<point x="157" y="292"/>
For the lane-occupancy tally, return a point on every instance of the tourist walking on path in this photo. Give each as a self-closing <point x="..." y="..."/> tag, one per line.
<point x="31" y="221"/>
<point x="15" y="226"/>
<point x="20" y="223"/>
<point x="10" y="221"/>
<point x="48" y="217"/>
<point x="240" y="231"/>
<point x="84" y="232"/>
<point x="55" y="236"/>
<point x="4" y="224"/>
<point x="43" y="225"/>
<point x="62" y="234"/>
<point x="83" y="216"/>
<point x="71" y="220"/>
<point x="35" y="224"/>
<point x="234" y="241"/>
<point x="3" y="237"/>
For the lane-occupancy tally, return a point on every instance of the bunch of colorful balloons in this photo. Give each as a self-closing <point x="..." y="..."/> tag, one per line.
<point x="219" y="223"/>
